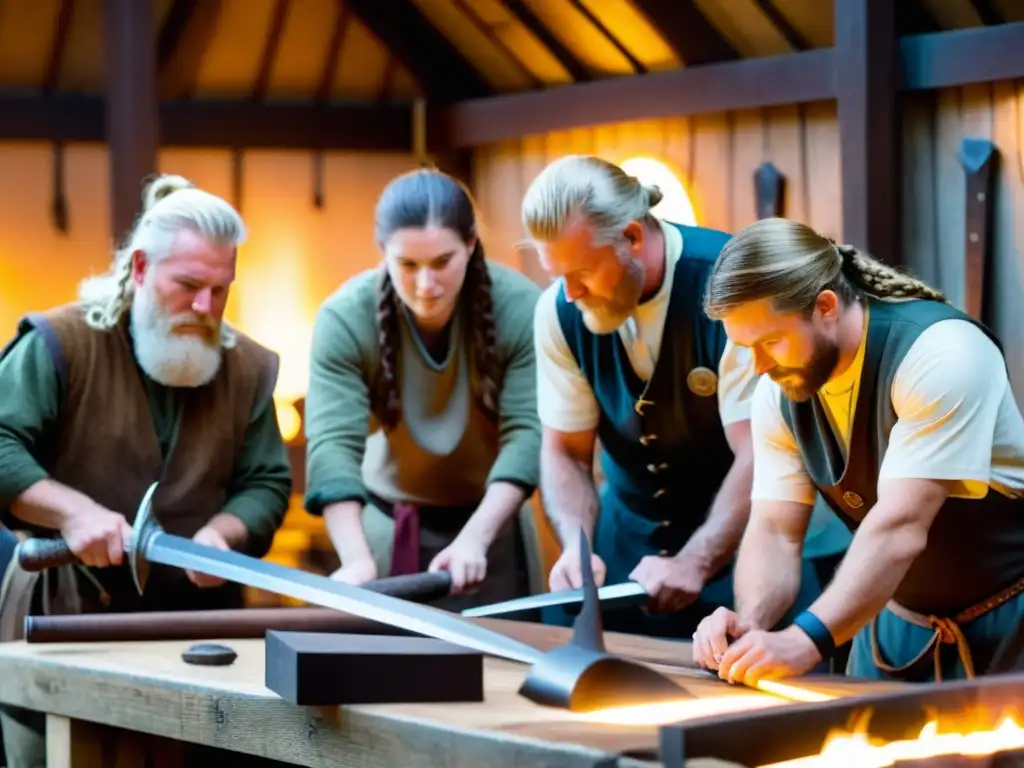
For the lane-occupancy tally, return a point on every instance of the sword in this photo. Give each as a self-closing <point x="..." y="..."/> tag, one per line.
<point x="149" y="543"/>
<point x="625" y="595"/>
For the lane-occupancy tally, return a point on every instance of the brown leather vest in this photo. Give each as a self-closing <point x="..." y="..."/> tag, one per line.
<point x="106" y="445"/>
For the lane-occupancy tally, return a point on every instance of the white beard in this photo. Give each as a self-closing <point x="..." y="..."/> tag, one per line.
<point x="167" y="358"/>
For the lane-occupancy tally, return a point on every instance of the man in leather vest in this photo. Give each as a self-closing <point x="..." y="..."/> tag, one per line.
<point x="626" y="358"/>
<point x="896" y="408"/>
<point x="139" y="381"/>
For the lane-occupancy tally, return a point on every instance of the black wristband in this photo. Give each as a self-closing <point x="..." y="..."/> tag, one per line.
<point x="816" y="630"/>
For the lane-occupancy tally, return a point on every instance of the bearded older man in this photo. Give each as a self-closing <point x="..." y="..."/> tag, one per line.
<point x="139" y="381"/>
<point x="626" y="356"/>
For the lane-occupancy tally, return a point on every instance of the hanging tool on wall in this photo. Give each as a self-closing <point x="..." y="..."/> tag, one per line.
<point x="769" y="187"/>
<point x="51" y="78"/>
<point x="979" y="158"/>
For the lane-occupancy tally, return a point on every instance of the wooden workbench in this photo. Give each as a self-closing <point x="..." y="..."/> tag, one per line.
<point x="145" y="688"/>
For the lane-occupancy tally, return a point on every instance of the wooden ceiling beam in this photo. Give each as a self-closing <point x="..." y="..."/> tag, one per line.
<point x="695" y="40"/>
<point x="925" y="62"/>
<point x="443" y="72"/>
<point x="524" y="15"/>
<point x="913" y="18"/>
<point x="962" y="57"/>
<point x="55" y="59"/>
<point x="746" y="84"/>
<point x="635" y="64"/>
<point x="987" y="12"/>
<point x="793" y="36"/>
<point x="184" y="37"/>
<point x="217" y="124"/>
<point x="488" y="31"/>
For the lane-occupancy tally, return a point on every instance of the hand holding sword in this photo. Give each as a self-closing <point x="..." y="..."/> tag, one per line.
<point x="96" y="536"/>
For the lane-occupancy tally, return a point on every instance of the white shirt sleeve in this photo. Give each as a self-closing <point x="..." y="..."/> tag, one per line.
<point x="779" y="473"/>
<point x="565" y="400"/>
<point x="947" y="394"/>
<point x="736" y="384"/>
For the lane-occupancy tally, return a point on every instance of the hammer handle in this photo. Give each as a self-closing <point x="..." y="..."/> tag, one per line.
<point x="40" y="554"/>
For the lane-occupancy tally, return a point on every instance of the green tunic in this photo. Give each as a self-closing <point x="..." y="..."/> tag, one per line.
<point x="445" y="450"/>
<point x="28" y="414"/>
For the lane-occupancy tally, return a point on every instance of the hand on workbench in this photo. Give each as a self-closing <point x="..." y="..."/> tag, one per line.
<point x="208" y="537"/>
<point x="466" y="561"/>
<point x="96" y="535"/>
<point x="357" y="573"/>
<point x="567" y="574"/>
<point x="761" y="655"/>
<point x="672" y="583"/>
<point x="713" y="635"/>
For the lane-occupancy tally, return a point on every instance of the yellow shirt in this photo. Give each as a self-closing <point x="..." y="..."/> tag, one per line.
<point x="839" y="396"/>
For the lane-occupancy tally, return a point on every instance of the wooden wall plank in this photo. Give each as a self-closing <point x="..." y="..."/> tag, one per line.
<point x="950" y="202"/>
<point x="748" y="148"/>
<point x="786" y="145"/>
<point x="712" y="188"/>
<point x="1007" y="264"/>
<point x="824" y="171"/>
<point x="920" y="225"/>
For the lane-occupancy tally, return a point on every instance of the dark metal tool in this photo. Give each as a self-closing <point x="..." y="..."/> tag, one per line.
<point x="626" y="595"/>
<point x="582" y="676"/>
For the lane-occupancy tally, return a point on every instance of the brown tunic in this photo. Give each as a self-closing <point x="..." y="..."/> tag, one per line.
<point x="106" y="446"/>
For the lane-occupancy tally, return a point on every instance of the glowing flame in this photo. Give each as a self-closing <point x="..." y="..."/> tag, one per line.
<point x="678" y="711"/>
<point x="856" y="750"/>
<point x="688" y="709"/>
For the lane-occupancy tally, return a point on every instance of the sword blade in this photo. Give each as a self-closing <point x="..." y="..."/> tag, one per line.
<point x="623" y="595"/>
<point x="176" y="551"/>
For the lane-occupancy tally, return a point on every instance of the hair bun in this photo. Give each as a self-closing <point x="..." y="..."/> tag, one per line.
<point x="654" y="195"/>
<point x="162" y="186"/>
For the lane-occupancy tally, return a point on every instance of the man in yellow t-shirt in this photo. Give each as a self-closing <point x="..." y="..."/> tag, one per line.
<point x="897" y="409"/>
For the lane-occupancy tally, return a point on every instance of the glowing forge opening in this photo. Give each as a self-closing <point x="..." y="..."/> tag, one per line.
<point x="857" y="749"/>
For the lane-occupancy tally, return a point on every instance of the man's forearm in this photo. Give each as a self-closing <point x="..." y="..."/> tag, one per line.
<point x="876" y="562"/>
<point x="570" y="499"/>
<point x="716" y="541"/>
<point x="49" y="504"/>
<point x="499" y="504"/>
<point x="766" y="579"/>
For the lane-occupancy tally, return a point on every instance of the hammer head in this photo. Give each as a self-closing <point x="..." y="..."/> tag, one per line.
<point x="142" y="529"/>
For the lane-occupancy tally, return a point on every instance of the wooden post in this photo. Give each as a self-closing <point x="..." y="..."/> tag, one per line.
<point x="866" y="75"/>
<point x="132" y="115"/>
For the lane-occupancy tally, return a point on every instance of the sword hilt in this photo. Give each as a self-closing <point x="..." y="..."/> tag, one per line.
<point x="36" y="554"/>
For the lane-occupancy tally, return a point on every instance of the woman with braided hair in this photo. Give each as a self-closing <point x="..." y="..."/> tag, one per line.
<point x="421" y="415"/>
<point x="896" y="407"/>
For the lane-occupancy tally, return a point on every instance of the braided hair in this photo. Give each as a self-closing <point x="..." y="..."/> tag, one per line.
<point x="419" y="199"/>
<point x="789" y="263"/>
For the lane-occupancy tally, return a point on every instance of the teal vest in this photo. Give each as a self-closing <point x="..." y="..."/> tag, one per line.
<point x="975" y="547"/>
<point x="667" y="461"/>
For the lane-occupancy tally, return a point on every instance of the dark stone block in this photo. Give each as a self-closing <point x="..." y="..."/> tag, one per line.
<point x="323" y="669"/>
